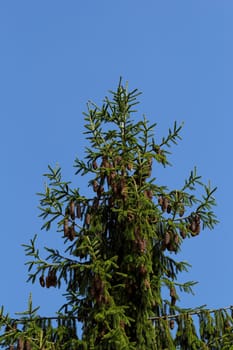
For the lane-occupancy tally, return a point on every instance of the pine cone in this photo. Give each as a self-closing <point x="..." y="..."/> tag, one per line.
<point x="95" y="203"/>
<point x="181" y="211"/>
<point x="171" y="324"/>
<point x="88" y="219"/>
<point x="173" y="301"/>
<point x="172" y="291"/>
<point x="165" y="204"/>
<point x="20" y="345"/>
<point x="183" y="234"/>
<point x="94" y="165"/>
<point x="149" y="194"/>
<point x="169" y="208"/>
<point x="71" y="233"/>
<point x="160" y="200"/>
<point x="176" y="238"/>
<point x="51" y="279"/>
<point x="95" y="186"/>
<point x="78" y="211"/>
<point x="42" y="282"/>
<point x="66" y="227"/>
<point x="27" y="345"/>
<point x="72" y="210"/>
<point x="100" y="191"/>
<point x="167" y="238"/>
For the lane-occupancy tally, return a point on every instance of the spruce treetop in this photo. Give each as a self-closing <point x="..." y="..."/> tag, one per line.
<point x="121" y="241"/>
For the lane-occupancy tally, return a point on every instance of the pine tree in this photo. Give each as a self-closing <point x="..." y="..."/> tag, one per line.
<point x="121" y="243"/>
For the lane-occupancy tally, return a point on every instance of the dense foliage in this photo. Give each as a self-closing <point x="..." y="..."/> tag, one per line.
<point x="121" y="243"/>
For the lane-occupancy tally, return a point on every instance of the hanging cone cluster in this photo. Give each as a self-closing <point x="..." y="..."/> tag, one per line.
<point x="195" y="225"/>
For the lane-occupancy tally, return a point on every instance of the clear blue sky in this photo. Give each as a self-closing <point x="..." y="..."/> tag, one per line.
<point x="54" y="56"/>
